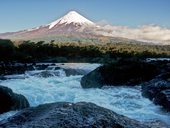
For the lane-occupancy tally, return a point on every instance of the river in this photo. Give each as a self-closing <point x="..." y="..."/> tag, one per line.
<point x="124" y="100"/>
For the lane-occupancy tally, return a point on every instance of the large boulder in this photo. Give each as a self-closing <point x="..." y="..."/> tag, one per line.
<point x="69" y="115"/>
<point x="120" y="73"/>
<point x="158" y="90"/>
<point x="93" y="79"/>
<point x="11" y="101"/>
<point x="152" y="88"/>
<point x="163" y="99"/>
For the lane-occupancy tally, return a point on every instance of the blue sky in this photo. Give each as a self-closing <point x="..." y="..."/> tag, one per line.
<point x="21" y="14"/>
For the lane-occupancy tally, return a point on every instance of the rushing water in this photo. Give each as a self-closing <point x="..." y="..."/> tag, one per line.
<point x="123" y="100"/>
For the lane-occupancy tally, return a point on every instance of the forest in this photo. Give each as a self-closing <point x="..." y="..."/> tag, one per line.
<point x="29" y="51"/>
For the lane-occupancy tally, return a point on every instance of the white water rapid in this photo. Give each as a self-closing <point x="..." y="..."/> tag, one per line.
<point x="123" y="100"/>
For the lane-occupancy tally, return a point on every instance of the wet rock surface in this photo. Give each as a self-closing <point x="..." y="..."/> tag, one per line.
<point x="158" y="90"/>
<point x="11" y="101"/>
<point x="157" y="124"/>
<point x="127" y="73"/>
<point x="11" y="69"/>
<point x="93" y="79"/>
<point x="46" y="74"/>
<point x="153" y="87"/>
<point x="73" y="72"/>
<point x="163" y="99"/>
<point x="69" y="115"/>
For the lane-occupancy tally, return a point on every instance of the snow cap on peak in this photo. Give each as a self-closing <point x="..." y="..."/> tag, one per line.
<point x="73" y="12"/>
<point x="71" y="17"/>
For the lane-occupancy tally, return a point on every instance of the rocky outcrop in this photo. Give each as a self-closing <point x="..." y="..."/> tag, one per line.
<point x="11" y="69"/>
<point x="121" y="73"/>
<point x="157" y="124"/>
<point x="69" y="115"/>
<point x="45" y="74"/>
<point x="163" y="98"/>
<point x="93" y="79"/>
<point x="11" y="101"/>
<point x="73" y="72"/>
<point x="152" y="88"/>
<point x="158" y="90"/>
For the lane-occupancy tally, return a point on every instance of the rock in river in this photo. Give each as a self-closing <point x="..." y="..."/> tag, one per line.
<point x="11" y="101"/>
<point x="158" y="90"/>
<point x="69" y="115"/>
<point x="152" y="88"/>
<point x="163" y="98"/>
<point x="120" y="73"/>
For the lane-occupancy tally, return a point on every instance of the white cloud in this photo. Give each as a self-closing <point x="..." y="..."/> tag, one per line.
<point x="152" y="33"/>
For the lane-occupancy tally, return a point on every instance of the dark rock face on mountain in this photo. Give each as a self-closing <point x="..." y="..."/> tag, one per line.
<point x="121" y="73"/>
<point x="69" y="115"/>
<point x="11" y="101"/>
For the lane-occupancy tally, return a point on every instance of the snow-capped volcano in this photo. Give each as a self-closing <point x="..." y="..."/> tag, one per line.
<point x="71" y="18"/>
<point x="72" y="24"/>
<point x="75" y="26"/>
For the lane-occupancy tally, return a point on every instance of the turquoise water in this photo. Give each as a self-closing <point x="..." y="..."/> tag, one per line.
<point x="123" y="100"/>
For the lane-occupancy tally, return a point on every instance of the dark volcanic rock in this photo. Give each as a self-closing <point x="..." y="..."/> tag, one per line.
<point x="69" y="115"/>
<point x="152" y="88"/>
<point x="120" y="73"/>
<point x="44" y="74"/>
<point x="48" y="73"/>
<point x="157" y="124"/>
<point x="2" y="78"/>
<point x="41" y="67"/>
<point x="11" y="101"/>
<point x="158" y="90"/>
<point x="93" y="79"/>
<point x="165" y="76"/>
<point x="163" y="99"/>
<point x="74" y="72"/>
<point x="8" y="70"/>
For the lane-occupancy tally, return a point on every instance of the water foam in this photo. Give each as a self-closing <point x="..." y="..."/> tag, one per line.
<point x="123" y="100"/>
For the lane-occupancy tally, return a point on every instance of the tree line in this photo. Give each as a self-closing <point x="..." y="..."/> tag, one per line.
<point x="28" y="51"/>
